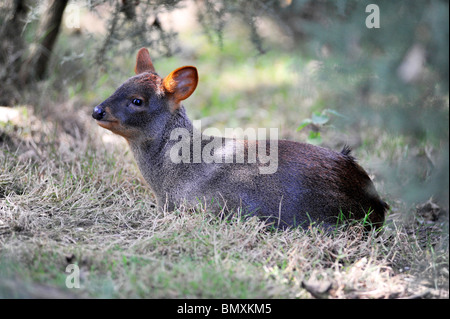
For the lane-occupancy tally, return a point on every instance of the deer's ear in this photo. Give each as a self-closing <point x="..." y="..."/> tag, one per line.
<point x="143" y="62"/>
<point x="181" y="83"/>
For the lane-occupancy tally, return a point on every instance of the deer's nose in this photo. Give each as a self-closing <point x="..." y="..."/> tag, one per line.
<point x="98" y="113"/>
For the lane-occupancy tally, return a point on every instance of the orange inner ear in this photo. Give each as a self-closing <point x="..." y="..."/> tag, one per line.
<point x="181" y="83"/>
<point x="143" y="62"/>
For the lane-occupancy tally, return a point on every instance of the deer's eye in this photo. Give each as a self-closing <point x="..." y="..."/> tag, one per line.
<point x="137" y="102"/>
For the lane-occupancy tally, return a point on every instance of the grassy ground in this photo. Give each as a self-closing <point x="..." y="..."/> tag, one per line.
<point x="71" y="193"/>
<point x="68" y="199"/>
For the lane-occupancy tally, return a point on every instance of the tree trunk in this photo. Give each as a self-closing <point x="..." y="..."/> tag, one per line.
<point x="34" y="68"/>
<point x="11" y="49"/>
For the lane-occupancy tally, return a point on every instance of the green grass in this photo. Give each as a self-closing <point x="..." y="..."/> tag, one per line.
<point x="91" y="208"/>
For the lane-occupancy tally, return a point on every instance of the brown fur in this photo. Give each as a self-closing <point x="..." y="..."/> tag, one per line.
<point x="311" y="185"/>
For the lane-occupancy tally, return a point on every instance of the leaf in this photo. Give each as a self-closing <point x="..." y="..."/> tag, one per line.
<point x="315" y="138"/>
<point x="320" y="119"/>
<point x="303" y="124"/>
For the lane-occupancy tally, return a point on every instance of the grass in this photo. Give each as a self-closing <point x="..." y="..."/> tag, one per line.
<point x="71" y="193"/>
<point x="70" y="201"/>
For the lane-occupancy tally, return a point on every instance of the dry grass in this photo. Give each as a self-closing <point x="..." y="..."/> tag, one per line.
<point x="67" y="196"/>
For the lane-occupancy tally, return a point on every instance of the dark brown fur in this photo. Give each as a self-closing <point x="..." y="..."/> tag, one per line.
<point x="311" y="185"/>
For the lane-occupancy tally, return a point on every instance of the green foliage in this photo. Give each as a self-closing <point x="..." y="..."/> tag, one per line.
<point x="317" y="120"/>
<point x="394" y="77"/>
